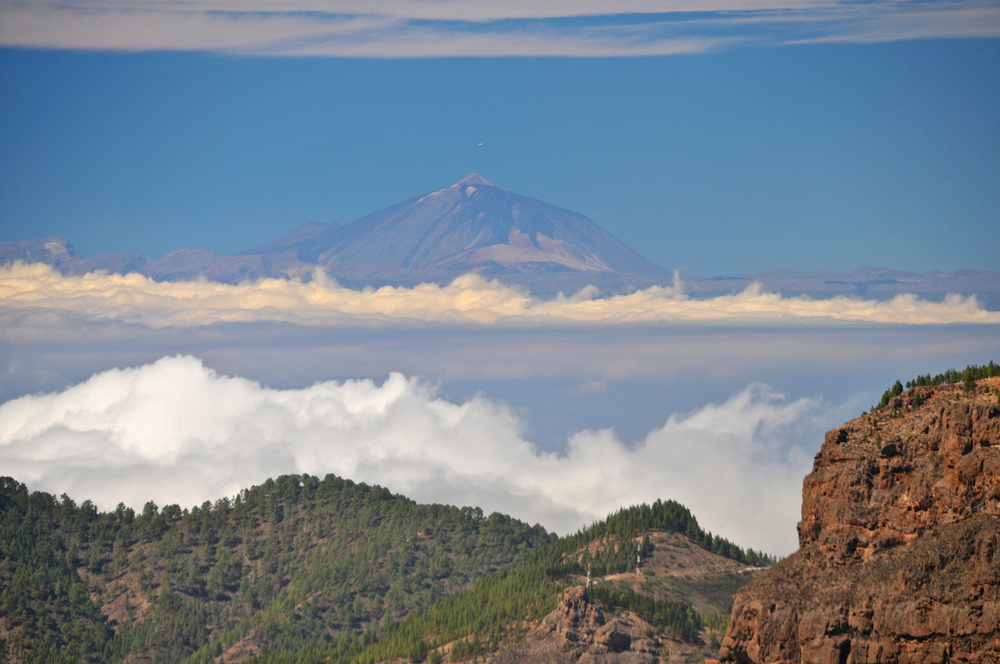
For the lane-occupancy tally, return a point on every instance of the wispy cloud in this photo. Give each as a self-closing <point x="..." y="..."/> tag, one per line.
<point x="175" y="431"/>
<point x="427" y="28"/>
<point x="468" y="300"/>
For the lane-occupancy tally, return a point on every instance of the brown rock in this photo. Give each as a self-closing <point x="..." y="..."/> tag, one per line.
<point x="899" y="544"/>
<point x="580" y="632"/>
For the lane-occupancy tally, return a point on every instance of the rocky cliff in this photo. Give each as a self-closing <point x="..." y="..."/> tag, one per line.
<point x="899" y="543"/>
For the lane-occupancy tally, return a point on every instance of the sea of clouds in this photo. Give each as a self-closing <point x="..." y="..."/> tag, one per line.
<point x="468" y="300"/>
<point x="175" y="431"/>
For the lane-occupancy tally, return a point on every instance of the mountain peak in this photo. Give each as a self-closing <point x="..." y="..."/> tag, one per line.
<point x="472" y="226"/>
<point x="474" y="179"/>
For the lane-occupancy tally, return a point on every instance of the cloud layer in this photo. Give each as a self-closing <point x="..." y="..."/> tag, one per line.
<point x="468" y="300"/>
<point x="425" y="28"/>
<point x="176" y="431"/>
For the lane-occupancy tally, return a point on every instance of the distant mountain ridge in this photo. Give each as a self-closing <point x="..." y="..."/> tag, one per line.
<point x="471" y="226"/>
<point x="475" y="226"/>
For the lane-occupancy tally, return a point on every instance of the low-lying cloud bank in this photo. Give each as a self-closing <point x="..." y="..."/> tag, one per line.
<point x="469" y="299"/>
<point x="176" y="431"/>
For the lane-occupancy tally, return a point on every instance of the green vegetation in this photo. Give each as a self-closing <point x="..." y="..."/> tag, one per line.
<point x="304" y="570"/>
<point x="299" y="561"/>
<point x="487" y="616"/>
<point x="711" y="594"/>
<point x="44" y="604"/>
<point x="626" y="524"/>
<point x="972" y="373"/>
<point x="676" y="620"/>
<point x="889" y="395"/>
<point x="967" y="376"/>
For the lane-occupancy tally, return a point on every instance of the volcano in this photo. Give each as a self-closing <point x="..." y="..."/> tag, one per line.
<point x="475" y="226"/>
<point x="471" y="226"/>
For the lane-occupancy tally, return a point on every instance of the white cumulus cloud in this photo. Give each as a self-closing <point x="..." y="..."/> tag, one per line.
<point x="468" y="300"/>
<point x="175" y="431"/>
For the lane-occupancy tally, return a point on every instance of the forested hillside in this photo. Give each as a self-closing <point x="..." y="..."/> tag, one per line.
<point x="296" y="560"/>
<point x="301" y="569"/>
<point x="499" y="609"/>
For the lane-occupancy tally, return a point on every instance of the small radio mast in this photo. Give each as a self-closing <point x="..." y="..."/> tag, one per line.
<point x="638" y="557"/>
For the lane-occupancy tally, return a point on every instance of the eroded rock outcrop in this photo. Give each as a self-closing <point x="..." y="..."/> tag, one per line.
<point x="578" y="632"/>
<point x="899" y="543"/>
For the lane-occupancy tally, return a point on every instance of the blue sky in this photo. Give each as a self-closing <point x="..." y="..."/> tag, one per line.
<point x="754" y="153"/>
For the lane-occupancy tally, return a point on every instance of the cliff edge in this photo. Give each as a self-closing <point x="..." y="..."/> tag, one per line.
<point x="899" y="543"/>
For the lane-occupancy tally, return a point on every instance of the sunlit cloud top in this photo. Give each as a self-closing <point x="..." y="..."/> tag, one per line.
<point x="468" y="300"/>
<point x="429" y="28"/>
<point x="176" y="431"/>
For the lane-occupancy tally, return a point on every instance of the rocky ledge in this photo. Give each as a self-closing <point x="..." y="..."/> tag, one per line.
<point x="899" y="543"/>
<point x="579" y="632"/>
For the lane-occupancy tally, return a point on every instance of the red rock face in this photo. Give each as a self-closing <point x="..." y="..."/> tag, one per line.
<point x="899" y="558"/>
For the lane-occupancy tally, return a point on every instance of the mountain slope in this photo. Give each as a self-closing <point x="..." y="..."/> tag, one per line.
<point x="307" y="570"/>
<point x="293" y="562"/>
<point x="492" y="617"/>
<point x="471" y="226"/>
<point x="475" y="226"/>
<point x="899" y="557"/>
